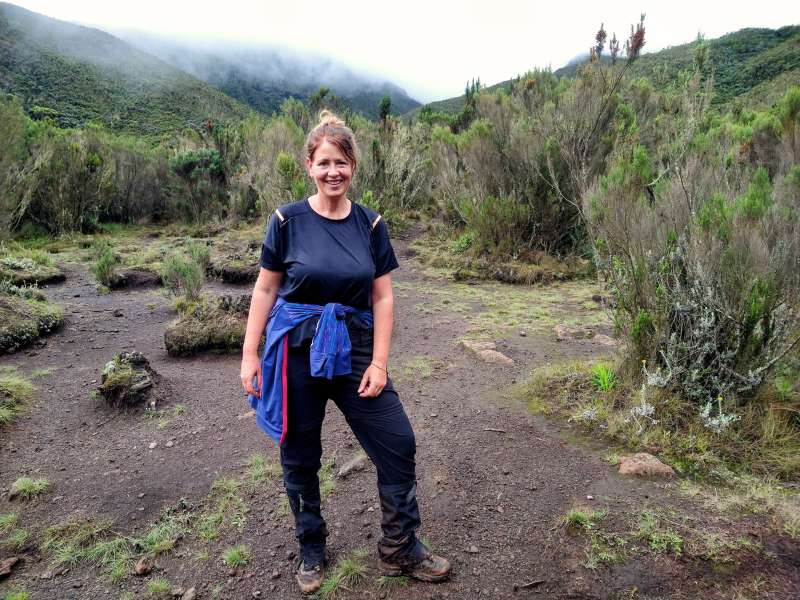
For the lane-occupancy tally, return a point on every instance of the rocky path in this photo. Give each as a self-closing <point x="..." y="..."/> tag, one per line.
<point x="494" y="481"/>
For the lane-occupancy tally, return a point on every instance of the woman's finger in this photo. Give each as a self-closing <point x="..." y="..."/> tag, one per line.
<point x="364" y="382"/>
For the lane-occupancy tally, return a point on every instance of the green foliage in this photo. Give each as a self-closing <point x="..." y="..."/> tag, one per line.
<point x="350" y="571"/>
<point x="16" y="595"/>
<point x="603" y="377"/>
<point x="183" y="275"/>
<point x="238" y="556"/>
<point x="8" y="521"/>
<point x="28" y="488"/>
<point x="159" y="588"/>
<point x="14" y="391"/>
<point x="106" y="260"/>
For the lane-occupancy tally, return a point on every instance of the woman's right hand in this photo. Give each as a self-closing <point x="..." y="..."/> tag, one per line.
<point x="251" y="369"/>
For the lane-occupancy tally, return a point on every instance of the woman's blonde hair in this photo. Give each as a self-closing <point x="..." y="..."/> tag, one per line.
<point x="334" y="130"/>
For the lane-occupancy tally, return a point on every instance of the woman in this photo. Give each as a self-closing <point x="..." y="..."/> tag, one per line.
<point x="325" y="283"/>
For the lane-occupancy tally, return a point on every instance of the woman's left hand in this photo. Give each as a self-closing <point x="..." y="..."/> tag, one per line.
<point x="373" y="382"/>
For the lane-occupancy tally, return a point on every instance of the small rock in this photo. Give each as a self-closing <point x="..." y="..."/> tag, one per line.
<point x="47" y="575"/>
<point x="7" y="564"/>
<point x="117" y="312"/>
<point x="643" y="464"/>
<point x="357" y="463"/>
<point x="140" y="495"/>
<point x="257" y="594"/>
<point x="177" y="592"/>
<point x="170" y="444"/>
<point x="590" y="497"/>
<point x="152" y="445"/>
<point x="249" y="414"/>
<point x="143" y="566"/>
<point x="290" y="554"/>
<point x="473" y="549"/>
<point x="189" y="594"/>
<point x="275" y="574"/>
<point x="522" y="334"/>
<point x="486" y="352"/>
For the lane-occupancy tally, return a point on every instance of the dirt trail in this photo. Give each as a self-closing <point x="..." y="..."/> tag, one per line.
<point x="494" y="481"/>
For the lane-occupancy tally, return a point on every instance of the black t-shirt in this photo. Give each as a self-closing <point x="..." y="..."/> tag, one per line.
<point x="327" y="260"/>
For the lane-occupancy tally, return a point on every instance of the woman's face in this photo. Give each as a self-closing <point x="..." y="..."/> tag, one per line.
<point x="330" y="170"/>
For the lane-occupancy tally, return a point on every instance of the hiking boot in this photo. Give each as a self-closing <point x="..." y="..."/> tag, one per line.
<point x="431" y="568"/>
<point x="309" y="579"/>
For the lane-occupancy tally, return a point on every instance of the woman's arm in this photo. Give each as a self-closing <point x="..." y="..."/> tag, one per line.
<point x="265" y="292"/>
<point x="374" y="379"/>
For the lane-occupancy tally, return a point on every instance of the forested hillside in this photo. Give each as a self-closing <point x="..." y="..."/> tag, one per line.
<point x="767" y="60"/>
<point x="77" y="74"/>
<point x="263" y="77"/>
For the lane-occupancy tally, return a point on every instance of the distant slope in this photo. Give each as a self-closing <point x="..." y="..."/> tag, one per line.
<point x="263" y="77"/>
<point x="83" y="74"/>
<point x="756" y="64"/>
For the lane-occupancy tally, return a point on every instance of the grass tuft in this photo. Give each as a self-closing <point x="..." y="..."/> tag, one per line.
<point x="350" y="571"/>
<point x="28" y="488"/>
<point x="238" y="556"/>
<point x="159" y="588"/>
<point x="16" y="540"/>
<point x="8" y="521"/>
<point x="14" y="391"/>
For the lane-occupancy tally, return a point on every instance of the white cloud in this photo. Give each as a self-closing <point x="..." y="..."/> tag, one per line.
<point x="430" y="48"/>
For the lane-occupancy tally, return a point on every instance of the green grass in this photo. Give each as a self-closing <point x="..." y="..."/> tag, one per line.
<point x="15" y="540"/>
<point x="603" y="378"/>
<point x="260" y="470"/>
<point x="16" y="595"/>
<point x="8" y="521"/>
<point x="348" y="573"/>
<point x="159" y="588"/>
<point x="223" y="508"/>
<point x="28" y="488"/>
<point x="238" y="556"/>
<point x="385" y="582"/>
<point x="327" y="478"/>
<point x="15" y="390"/>
<point x="658" y="538"/>
<point x="162" y="536"/>
<point x="582" y="519"/>
<point x="605" y="549"/>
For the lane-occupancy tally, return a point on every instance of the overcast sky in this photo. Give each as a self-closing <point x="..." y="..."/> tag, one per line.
<point x="429" y="47"/>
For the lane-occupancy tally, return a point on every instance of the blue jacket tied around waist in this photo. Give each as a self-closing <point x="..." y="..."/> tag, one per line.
<point x="330" y="356"/>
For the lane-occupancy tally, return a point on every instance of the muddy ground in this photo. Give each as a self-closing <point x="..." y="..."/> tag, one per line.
<point x="494" y="480"/>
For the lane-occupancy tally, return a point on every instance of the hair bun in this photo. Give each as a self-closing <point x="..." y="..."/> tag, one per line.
<point x="326" y="117"/>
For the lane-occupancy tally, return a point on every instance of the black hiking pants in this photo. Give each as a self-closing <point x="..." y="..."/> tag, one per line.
<point x="382" y="428"/>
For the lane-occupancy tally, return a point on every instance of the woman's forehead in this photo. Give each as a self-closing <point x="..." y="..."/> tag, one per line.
<point x="328" y="150"/>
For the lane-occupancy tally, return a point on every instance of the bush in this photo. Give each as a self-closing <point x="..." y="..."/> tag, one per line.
<point x="104" y="266"/>
<point x="704" y="270"/>
<point x="183" y="275"/>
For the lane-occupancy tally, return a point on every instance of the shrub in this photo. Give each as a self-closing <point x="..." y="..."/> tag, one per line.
<point x="104" y="266"/>
<point x="705" y="275"/>
<point x="183" y="275"/>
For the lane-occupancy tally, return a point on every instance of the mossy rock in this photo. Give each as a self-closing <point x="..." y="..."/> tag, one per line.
<point x="127" y="380"/>
<point x="24" y="271"/>
<point x="211" y="325"/>
<point x="23" y="320"/>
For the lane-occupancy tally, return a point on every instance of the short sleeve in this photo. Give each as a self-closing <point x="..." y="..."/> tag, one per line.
<point x="272" y="248"/>
<point x="382" y="250"/>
